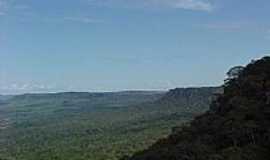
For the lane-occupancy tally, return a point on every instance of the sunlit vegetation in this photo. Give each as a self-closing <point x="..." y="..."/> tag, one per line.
<point x="94" y="126"/>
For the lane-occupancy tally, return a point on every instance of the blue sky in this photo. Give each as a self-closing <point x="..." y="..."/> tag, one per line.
<point x="112" y="45"/>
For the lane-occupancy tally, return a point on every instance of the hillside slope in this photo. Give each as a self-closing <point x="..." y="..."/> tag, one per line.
<point x="237" y="127"/>
<point x="194" y="100"/>
<point x="96" y="126"/>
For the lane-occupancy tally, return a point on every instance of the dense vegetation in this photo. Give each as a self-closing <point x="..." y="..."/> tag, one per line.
<point x="237" y="127"/>
<point x="95" y="126"/>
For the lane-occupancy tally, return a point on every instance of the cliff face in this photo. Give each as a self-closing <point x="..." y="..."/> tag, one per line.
<point x="190" y="98"/>
<point x="237" y="126"/>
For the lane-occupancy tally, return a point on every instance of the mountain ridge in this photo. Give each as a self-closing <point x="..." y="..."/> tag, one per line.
<point x="235" y="128"/>
<point x="120" y="123"/>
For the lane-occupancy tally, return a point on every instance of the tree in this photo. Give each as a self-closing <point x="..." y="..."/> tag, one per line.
<point x="234" y="72"/>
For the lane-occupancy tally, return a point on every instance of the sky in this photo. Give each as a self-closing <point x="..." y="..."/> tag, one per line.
<point x="114" y="45"/>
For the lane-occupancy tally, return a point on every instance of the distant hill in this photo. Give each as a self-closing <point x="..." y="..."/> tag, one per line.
<point x="4" y="98"/>
<point x="184" y="103"/>
<point x="237" y="127"/>
<point x="96" y="126"/>
<point x="86" y="99"/>
<point x="190" y="99"/>
<point x="127" y="96"/>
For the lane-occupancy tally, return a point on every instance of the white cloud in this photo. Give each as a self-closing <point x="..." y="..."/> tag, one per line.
<point x="25" y="87"/>
<point x="82" y="20"/>
<point x="3" y="7"/>
<point x="246" y="26"/>
<point x="21" y="7"/>
<point x="197" y="5"/>
<point x="6" y="6"/>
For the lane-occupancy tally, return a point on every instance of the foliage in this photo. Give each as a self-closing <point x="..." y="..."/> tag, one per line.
<point x="94" y="126"/>
<point x="237" y="127"/>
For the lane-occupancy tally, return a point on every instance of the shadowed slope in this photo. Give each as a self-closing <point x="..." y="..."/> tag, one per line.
<point x="237" y="127"/>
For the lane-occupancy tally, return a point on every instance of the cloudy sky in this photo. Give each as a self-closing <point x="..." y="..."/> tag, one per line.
<point x="111" y="45"/>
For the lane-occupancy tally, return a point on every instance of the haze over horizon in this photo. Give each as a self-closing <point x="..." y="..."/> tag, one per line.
<point x="114" y="45"/>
